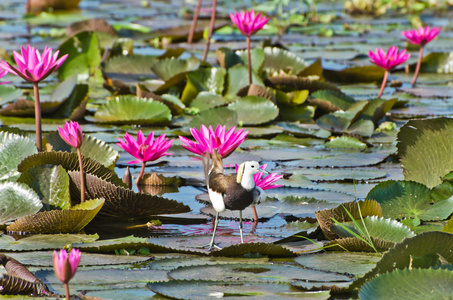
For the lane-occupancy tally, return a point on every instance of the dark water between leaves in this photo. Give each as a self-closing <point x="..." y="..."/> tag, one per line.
<point x="322" y="178"/>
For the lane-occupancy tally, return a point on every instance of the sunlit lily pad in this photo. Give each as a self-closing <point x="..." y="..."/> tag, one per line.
<point x="206" y="100"/>
<point x="10" y="157"/>
<point x="43" y="241"/>
<point x="70" y="162"/>
<point x="17" y="200"/>
<point x="237" y="79"/>
<point x="51" y="182"/>
<point x="355" y="263"/>
<point x="417" y="284"/>
<point x="203" y="80"/>
<point x="132" y="110"/>
<point x="91" y="147"/>
<point x="345" y="142"/>
<point x="123" y="203"/>
<point x="59" y="221"/>
<point x="281" y="59"/>
<point x="253" y="110"/>
<point x="330" y="100"/>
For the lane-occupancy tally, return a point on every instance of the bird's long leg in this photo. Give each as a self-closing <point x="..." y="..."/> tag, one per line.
<point x="240" y="226"/>
<point x="211" y="244"/>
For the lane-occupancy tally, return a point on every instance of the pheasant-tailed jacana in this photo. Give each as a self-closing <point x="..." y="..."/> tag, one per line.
<point x="233" y="191"/>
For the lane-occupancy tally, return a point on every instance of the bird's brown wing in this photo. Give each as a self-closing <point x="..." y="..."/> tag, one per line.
<point x="220" y="183"/>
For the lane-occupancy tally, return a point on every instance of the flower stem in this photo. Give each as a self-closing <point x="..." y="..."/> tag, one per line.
<point x="37" y="117"/>
<point x="249" y="60"/>
<point x="211" y="29"/>
<point x="194" y="23"/>
<point x="66" y="287"/>
<point x="82" y="177"/>
<point x="417" y="68"/>
<point x="142" y="171"/>
<point x="384" y="82"/>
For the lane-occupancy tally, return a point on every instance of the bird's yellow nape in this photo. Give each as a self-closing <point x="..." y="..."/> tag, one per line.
<point x="240" y="173"/>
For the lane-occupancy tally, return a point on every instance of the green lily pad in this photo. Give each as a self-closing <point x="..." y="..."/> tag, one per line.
<point x="272" y="273"/>
<point x="237" y="79"/>
<point x="376" y="109"/>
<point x="355" y="74"/>
<point x="341" y="174"/>
<point x="299" y="113"/>
<point x="304" y="130"/>
<point x="330" y="100"/>
<point x="345" y="142"/>
<point x="132" y="110"/>
<point x="401" y="199"/>
<point x="110" y="245"/>
<point x="206" y="100"/>
<point x="281" y="59"/>
<point x="203" y="80"/>
<point x="130" y="64"/>
<point x="355" y="263"/>
<point x="430" y="139"/>
<point x="442" y="192"/>
<point x="51" y="183"/>
<point x="17" y="200"/>
<point x="253" y="110"/>
<point x="59" y="221"/>
<point x="416" y="284"/>
<point x="43" y="241"/>
<point x="435" y="62"/>
<point x="12" y="285"/>
<point x="70" y="162"/>
<point x="9" y="93"/>
<point x="215" y="116"/>
<point x="294" y="83"/>
<point x="257" y="56"/>
<point x="10" y="157"/>
<point x="168" y="68"/>
<point x="120" y="202"/>
<point x="74" y="105"/>
<point x="91" y="147"/>
<point x="324" y="217"/>
<point x="84" y="55"/>
<point x="270" y="250"/>
<point x="448" y="227"/>
<point x="439" y="211"/>
<point x="384" y="229"/>
<point x="413" y="253"/>
<point x="358" y="244"/>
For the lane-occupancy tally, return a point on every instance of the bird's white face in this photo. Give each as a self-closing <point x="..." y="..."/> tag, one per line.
<point x="252" y="166"/>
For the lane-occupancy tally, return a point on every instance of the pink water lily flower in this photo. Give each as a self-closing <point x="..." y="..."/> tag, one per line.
<point x="3" y="74"/>
<point x="71" y="134"/>
<point x="248" y="22"/>
<point x="225" y="142"/>
<point x="388" y="61"/>
<point x="145" y="150"/>
<point x="32" y="66"/>
<point x="65" y="265"/>
<point x="422" y="36"/>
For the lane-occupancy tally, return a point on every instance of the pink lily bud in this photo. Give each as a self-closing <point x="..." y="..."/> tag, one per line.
<point x="64" y="265"/>
<point x="72" y="134"/>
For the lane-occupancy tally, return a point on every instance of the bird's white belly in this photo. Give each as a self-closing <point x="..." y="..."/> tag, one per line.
<point x="216" y="200"/>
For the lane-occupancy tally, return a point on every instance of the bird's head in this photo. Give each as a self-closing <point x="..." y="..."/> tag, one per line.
<point x="249" y="168"/>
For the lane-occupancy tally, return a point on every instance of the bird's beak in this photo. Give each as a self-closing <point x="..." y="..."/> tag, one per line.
<point x="264" y="171"/>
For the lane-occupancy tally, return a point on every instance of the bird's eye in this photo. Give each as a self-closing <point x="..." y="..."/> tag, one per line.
<point x="253" y="166"/>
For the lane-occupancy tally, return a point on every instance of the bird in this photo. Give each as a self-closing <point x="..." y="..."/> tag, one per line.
<point x="232" y="191"/>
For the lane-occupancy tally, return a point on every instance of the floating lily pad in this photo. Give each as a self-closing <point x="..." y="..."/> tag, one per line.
<point x="43" y="241"/>
<point x="355" y="263"/>
<point x="70" y="162"/>
<point x="410" y="284"/>
<point x="170" y="67"/>
<point x="270" y="250"/>
<point x="17" y="200"/>
<point x="130" y="64"/>
<point x="330" y="100"/>
<point x="367" y="208"/>
<point x="51" y="183"/>
<point x="294" y="83"/>
<point x="110" y="245"/>
<point x="257" y="56"/>
<point x="237" y="78"/>
<point x="203" y="80"/>
<point x="253" y="110"/>
<point x="59" y="221"/>
<point x="214" y="117"/>
<point x="132" y="110"/>
<point x="430" y="139"/>
<point x="91" y="147"/>
<point x="400" y="199"/>
<point x="281" y="59"/>
<point x="12" y="285"/>
<point x="435" y="62"/>
<point x="9" y="93"/>
<point x="345" y="142"/>
<point x="10" y="157"/>
<point x="123" y="203"/>
<point x="206" y="100"/>
<point x="355" y="74"/>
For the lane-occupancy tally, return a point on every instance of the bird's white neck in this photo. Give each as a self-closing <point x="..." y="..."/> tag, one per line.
<point x="247" y="180"/>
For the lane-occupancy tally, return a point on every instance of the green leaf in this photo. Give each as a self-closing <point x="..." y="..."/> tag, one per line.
<point x="16" y="201"/>
<point x="228" y="58"/>
<point x="337" y="121"/>
<point x="376" y="109"/>
<point x="384" y="229"/>
<point x="257" y="59"/>
<point x="51" y="183"/>
<point x="132" y="110"/>
<point x="449" y="226"/>
<point x="345" y="142"/>
<point x="91" y="147"/>
<point x="412" y="252"/>
<point x="442" y="192"/>
<point x="435" y="62"/>
<point x="84" y="55"/>
<point x="253" y="110"/>
<point x="59" y="221"/>
<point x="414" y="284"/>
<point x="401" y="199"/>
<point x="206" y="100"/>
<point x="130" y="64"/>
<point x="431" y="140"/>
<point x="299" y="113"/>
<point x="281" y="59"/>
<point x="237" y="79"/>
<point x="270" y="250"/>
<point x="203" y="80"/>
<point x="9" y="93"/>
<point x="74" y="106"/>
<point x="438" y="211"/>
<point x="295" y="83"/>
<point x="170" y="67"/>
<point x="215" y="116"/>
<point x="70" y="162"/>
<point x="355" y="74"/>
<point x="43" y="242"/>
<point x="335" y="100"/>
<point x="10" y="157"/>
